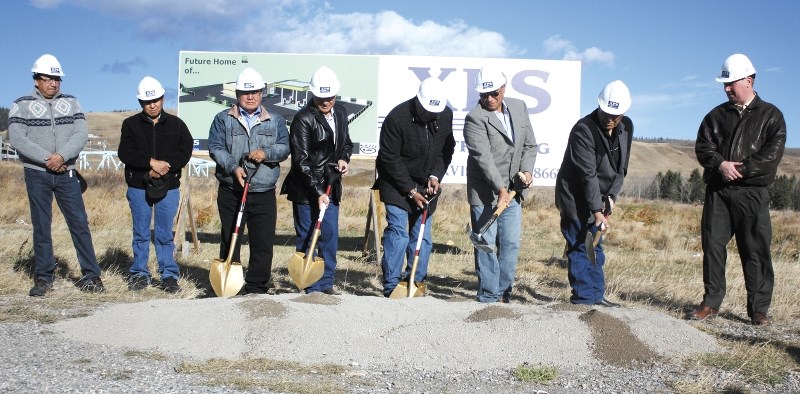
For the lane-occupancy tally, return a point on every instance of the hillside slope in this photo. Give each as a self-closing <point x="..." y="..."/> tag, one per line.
<point x="647" y="158"/>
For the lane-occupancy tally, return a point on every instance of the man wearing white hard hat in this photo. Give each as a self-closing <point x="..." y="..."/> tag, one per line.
<point x="246" y="140"/>
<point x="590" y="179"/>
<point x="739" y="144"/>
<point x="416" y="146"/>
<point x="48" y="129"/>
<point x="502" y="153"/>
<point x="154" y="145"/>
<point x="321" y="150"/>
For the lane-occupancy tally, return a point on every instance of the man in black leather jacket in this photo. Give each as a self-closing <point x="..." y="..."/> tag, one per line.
<point x="740" y="144"/>
<point x="321" y="150"/>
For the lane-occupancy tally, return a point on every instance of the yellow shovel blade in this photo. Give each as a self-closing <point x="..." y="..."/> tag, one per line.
<point x="402" y="291"/>
<point x="303" y="273"/>
<point x="226" y="278"/>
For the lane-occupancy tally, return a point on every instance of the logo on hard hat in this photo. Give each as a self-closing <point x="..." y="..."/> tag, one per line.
<point x="725" y="74"/>
<point x="433" y="103"/>
<point x="613" y="104"/>
<point x="55" y="70"/>
<point x="324" y="89"/>
<point x="487" y="85"/>
<point x="150" y="93"/>
<point x="249" y="85"/>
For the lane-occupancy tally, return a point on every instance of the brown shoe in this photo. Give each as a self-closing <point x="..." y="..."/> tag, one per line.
<point x="760" y="319"/>
<point x="702" y="313"/>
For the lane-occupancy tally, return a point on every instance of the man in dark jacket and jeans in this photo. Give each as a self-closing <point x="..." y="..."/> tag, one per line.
<point x="416" y="146"/>
<point x="739" y="144"/>
<point x="155" y="146"/>
<point x="321" y="149"/>
<point x="590" y="179"/>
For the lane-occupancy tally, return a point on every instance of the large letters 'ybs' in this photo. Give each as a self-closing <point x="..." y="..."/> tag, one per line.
<point x="519" y="82"/>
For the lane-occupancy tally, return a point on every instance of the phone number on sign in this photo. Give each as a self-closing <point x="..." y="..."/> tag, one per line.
<point x="545" y="173"/>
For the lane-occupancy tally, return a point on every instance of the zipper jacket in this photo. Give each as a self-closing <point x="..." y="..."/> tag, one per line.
<point x="141" y="140"/>
<point x="756" y="138"/>
<point x="229" y="140"/>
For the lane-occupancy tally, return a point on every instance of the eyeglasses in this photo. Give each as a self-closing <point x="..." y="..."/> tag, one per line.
<point x="493" y="94"/>
<point x="46" y="80"/>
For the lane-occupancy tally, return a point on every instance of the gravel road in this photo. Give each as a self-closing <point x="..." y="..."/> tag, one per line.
<point x="380" y="345"/>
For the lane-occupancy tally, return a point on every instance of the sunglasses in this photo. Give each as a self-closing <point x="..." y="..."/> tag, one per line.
<point x="50" y="80"/>
<point x="493" y="94"/>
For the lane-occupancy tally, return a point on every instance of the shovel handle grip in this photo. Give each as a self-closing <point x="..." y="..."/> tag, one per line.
<point x="500" y="208"/>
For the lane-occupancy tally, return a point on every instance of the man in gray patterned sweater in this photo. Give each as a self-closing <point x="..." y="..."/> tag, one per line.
<point x="48" y="129"/>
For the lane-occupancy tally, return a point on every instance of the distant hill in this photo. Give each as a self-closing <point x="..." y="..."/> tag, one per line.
<point x="647" y="158"/>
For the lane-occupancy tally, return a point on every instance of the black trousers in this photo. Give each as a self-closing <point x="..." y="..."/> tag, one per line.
<point x="743" y="213"/>
<point x="260" y="215"/>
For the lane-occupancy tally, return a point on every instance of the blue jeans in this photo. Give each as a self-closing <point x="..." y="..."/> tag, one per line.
<point x="400" y="240"/>
<point x="41" y="187"/>
<point x="141" y="212"/>
<point x="305" y="220"/>
<point x="496" y="270"/>
<point x="586" y="278"/>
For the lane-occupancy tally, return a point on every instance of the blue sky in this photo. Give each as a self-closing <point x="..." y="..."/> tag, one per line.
<point x="667" y="52"/>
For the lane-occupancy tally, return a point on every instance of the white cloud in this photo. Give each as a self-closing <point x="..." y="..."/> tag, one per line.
<point x="298" y="26"/>
<point x="555" y="45"/>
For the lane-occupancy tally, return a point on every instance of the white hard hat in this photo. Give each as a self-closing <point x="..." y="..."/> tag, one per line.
<point x="249" y="80"/>
<point x="149" y="89"/>
<point x="735" y="67"/>
<point x="489" y="79"/>
<point x="615" y="98"/>
<point x="48" y="65"/>
<point x="324" y="83"/>
<point x="432" y="95"/>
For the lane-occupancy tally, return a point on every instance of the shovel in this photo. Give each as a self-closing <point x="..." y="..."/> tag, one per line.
<point x="477" y="238"/>
<point x="592" y="240"/>
<point x="409" y="289"/>
<point x="304" y="268"/>
<point x="227" y="277"/>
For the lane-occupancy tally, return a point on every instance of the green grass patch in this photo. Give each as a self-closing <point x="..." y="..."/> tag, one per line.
<point x="541" y="374"/>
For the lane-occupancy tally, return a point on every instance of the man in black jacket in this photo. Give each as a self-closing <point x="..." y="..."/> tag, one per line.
<point x="154" y="146"/>
<point x="321" y="150"/>
<point x="739" y="144"/>
<point x="594" y="166"/>
<point x="416" y="146"/>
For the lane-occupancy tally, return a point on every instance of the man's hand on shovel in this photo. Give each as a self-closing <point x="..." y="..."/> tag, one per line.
<point x="601" y="218"/>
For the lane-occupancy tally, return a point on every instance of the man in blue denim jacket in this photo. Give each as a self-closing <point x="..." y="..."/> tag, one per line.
<point x="240" y="138"/>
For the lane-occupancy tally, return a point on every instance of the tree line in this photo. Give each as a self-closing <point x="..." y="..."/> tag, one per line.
<point x="784" y="193"/>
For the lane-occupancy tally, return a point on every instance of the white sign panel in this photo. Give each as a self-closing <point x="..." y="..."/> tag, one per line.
<point x="550" y="89"/>
<point x="373" y="85"/>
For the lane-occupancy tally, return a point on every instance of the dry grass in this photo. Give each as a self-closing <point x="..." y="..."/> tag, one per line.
<point x="653" y="254"/>
<point x="275" y="376"/>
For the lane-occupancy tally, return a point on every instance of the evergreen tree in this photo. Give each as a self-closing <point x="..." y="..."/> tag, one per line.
<point x="3" y="118"/>
<point x="695" y="187"/>
<point x="780" y="193"/>
<point x="671" y="185"/>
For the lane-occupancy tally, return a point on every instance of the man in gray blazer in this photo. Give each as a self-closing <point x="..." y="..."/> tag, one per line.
<point x="501" y="144"/>
<point x="594" y="166"/>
